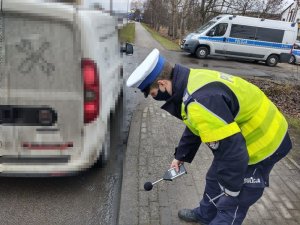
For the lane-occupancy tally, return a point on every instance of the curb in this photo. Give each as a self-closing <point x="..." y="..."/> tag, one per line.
<point x="128" y="213"/>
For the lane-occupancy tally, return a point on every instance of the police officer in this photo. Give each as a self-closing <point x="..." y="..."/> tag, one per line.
<point x="244" y="130"/>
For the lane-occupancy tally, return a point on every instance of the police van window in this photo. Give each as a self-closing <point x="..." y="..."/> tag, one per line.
<point x="205" y="26"/>
<point x="218" y="30"/>
<point x="271" y="35"/>
<point x="242" y="31"/>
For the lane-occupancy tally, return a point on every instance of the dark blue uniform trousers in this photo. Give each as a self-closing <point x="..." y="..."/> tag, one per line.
<point x="228" y="210"/>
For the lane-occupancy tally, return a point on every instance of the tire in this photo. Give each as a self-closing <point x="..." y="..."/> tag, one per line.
<point x="105" y="151"/>
<point x="104" y="157"/>
<point x="202" y="52"/>
<point x="272" y="60"/>
<point x="292" y="60"/>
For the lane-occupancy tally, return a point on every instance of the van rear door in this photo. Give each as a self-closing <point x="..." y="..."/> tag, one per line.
<point x="6" y="133"/>
<point x="41" y="101"/>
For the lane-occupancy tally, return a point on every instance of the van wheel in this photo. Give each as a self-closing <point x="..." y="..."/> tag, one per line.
<point x="105" y="151"/>
<point x="272" y="60"/>
<point x="292" y="60"/>
<point x="201" y="52"/>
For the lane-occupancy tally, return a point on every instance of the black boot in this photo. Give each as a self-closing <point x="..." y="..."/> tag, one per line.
<point x="189" y="215"/>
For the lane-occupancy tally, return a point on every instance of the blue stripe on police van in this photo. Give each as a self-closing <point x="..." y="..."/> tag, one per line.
<point x="296" y="52"/>
<point x="240" y="41"/>
<point x="214" y="39"/>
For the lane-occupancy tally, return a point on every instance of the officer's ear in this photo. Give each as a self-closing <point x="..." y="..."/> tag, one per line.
<point x="162" y="82"/>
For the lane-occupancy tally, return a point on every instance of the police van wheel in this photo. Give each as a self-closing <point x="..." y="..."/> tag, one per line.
<point x="292" y="60"/>
<point x="201" y="52"/>
<point x="272" y="60"/>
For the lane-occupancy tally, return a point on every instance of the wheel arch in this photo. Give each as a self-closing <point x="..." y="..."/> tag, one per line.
<point x="275" y="54"/>
<point x="203" y="45"/>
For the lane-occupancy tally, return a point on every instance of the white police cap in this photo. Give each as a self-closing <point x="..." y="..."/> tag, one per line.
<point x="146" y="73"/>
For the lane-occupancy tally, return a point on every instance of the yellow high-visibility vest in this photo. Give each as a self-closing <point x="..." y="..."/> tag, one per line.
<point x="258" y="119"/>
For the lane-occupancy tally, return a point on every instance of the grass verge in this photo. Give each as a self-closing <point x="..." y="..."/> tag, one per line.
<point x="127" y="33"/>
<point x="294" y="122"/>
<point x="166" y="43"/>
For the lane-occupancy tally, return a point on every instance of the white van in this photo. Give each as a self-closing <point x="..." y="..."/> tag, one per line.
<point x="242" y="37"/>
<point x="60" y="79"/>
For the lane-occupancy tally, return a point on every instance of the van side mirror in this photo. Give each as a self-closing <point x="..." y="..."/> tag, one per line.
<point x="127" y="49"/>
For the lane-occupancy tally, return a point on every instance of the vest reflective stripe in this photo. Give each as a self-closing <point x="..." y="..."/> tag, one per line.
<point x="199" y="118"/>
<point x="260" y="115"/>
<point x="219" y="133"/>
<point x="266" y="145"/>
<point x="258" y="119"/>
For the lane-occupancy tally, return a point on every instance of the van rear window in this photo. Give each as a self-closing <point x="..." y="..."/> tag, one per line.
<point x="256" y="33"/>
<point x="267" y="34"/>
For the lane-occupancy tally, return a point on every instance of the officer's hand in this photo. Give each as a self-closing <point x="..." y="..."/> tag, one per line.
<point x="175" y="164"/>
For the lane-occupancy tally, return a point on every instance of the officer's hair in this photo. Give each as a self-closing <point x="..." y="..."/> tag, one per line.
<point x="165" y="74"/>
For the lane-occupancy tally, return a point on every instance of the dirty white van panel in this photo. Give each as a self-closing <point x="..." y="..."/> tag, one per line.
<point x="41" y="81"/>
<point x="59" y="82"/>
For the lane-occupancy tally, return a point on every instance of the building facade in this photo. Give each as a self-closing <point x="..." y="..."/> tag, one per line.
<point x="292" y="14"/>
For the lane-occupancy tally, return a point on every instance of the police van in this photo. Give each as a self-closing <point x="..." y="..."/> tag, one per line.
<point x="60" y="79"/>
<point x="295" y="54"/>
<point x="242" y="37"/>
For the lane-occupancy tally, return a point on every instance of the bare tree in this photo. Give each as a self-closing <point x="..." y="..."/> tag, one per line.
<point x="156" y="13"/>
<point x="185" y="8"/>
<point x="173" y="28"/>
<point x="136" y="4"/>
<point x="181" y="16"/>
<point x="268" y="7"/>
<point x="242" y="7"/>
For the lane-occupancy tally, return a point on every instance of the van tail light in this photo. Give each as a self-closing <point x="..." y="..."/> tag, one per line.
<point x="91" y="90"/>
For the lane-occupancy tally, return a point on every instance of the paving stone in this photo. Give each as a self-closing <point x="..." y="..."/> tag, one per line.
<point x="143" y="199"/>
<point x="293" y="187"/>
<point x="144" y="216"/>
<point x="263" y="212"/>
<point x="278" y="219"/>
<point x="296" y="215"/>
<point x="163" y="198"/>
<point x="165" y="216"/>
<point x="154" y="211"/>
<point x="254" y="216"/>
<point x="283" y="210"/>
<point x="286" y="201"/>
<point x="272" y="195"/>
<point x="154" y="222"/>
<point x="153" y="195"/>
<point x="292" y="222"/>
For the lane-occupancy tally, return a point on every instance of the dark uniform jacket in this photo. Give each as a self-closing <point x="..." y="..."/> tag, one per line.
<point x="230" y="153"/>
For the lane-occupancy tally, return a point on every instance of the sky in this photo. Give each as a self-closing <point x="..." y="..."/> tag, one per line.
<point x="121" y="5"/>
<point x="118" y="5"/>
